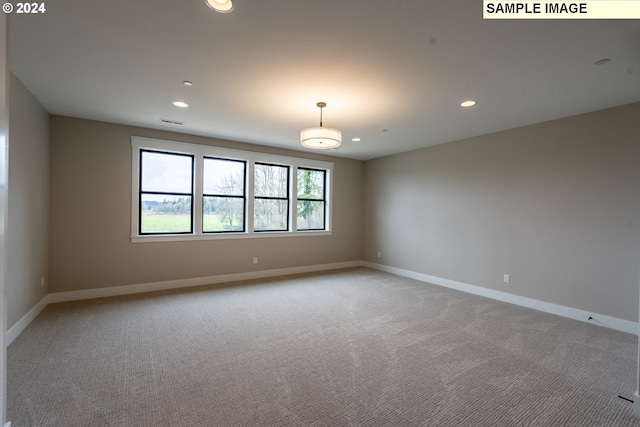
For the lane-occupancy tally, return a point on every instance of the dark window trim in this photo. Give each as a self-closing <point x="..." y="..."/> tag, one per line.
<point x="141" y="192"/>
<point x="323" y="200"/>
<point x="244" y="195"/>
<point x="288" y="198"/>
<point x="142" y="144"/>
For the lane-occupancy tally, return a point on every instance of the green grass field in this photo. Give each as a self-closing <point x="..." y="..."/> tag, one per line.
<point x="180" y="223"/>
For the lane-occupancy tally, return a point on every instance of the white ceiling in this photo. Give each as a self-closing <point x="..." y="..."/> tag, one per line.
<point x="258" y="72"/>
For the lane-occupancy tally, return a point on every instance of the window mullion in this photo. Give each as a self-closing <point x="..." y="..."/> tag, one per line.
<point x="198" y="191"/>
<point x="328" y="190"/>
<point x="250" y="195"/>
<point x="293" y="189"/>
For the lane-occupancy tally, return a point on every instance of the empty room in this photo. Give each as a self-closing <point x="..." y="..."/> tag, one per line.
<point x="304" y="213"/>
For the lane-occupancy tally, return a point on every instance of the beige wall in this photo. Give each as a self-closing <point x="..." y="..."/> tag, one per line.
<point x="555" y="205"/>
<point x="28" y="201"/>
<point x="91" y="216"/>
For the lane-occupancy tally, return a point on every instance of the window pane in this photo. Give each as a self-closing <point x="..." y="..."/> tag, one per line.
<point x="310" y="184"/>
<point x="165" y="214"/>
<point x="223" y="214"/>
<point x="271" y="181"/>
<point x="270" y="215"/>
<point x="167" y="173"/>
<point x="310" y="215"/>
<point x="223" y="177"/>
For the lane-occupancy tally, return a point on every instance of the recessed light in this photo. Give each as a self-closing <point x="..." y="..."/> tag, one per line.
<point x="468" y="103"/>
<point x="187" y="83"/>
<point x="180" y="104"/>
<point x="356" y="139"/>
<point x="222" y="6"/>
<point x="602" y="61"/>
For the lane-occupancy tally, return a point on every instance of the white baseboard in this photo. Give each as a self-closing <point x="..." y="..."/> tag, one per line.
<point x="560" y="310"/>
<point x="572" y="313"/>
<point x="636" y="404"/>
<point x="22" y="324"/>
<point x="196" y="281"/>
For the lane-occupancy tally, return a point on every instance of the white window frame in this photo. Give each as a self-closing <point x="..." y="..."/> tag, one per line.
<point x="139" y="143"/>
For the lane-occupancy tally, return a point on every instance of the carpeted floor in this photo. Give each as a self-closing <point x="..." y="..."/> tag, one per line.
<point x="351" y="347"/>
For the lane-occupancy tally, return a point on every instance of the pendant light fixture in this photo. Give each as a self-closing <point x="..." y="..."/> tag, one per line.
<point x="320" y="138"/>
<point x="222" y="6"/>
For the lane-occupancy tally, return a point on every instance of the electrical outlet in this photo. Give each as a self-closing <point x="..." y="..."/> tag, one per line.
<point x="379" y="254"/>
<point x="506" y="278"/>
<point x="42" y="282"/>
<point x="255" y="259"/>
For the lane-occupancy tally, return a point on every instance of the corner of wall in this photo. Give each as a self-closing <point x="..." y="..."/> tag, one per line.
<point x="28" y="203"/>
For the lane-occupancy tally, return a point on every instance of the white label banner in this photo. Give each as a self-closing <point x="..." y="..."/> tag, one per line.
<point x="586" y="9"/>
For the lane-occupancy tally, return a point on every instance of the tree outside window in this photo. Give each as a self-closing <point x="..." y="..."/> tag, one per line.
<point x="311" y="199"/>
<point x="224" y="202"/>
<point x="271" y="197"/>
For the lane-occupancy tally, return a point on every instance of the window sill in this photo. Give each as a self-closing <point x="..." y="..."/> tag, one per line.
<point x="226" y="236"/>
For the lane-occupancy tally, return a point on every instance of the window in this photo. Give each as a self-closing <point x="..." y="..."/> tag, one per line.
<point x="311" y="199"/>
<point x="188" y="192"/>
<point x="166" y="193"/>
<point x="271" y="198"/>
<point x="223" y="200"/>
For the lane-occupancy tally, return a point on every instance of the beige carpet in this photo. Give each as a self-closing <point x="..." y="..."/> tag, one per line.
<point x="345" y="348"/>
